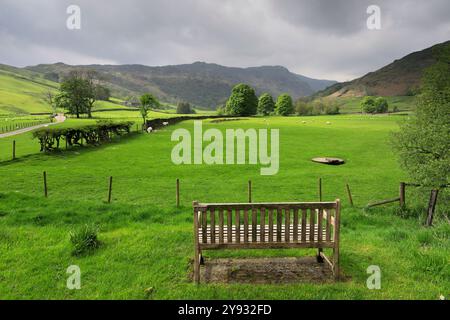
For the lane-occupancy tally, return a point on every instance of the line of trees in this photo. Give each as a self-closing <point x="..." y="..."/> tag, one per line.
<point x="305" y="107"/>
<point x="244" y="102"/>
<point x="373" y="105"/>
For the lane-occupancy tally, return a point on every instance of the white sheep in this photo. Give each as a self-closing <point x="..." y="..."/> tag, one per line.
<point x="149" y="130"/>
<point x="165" y="123"/>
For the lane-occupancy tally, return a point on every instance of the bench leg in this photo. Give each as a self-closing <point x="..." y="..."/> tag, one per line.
<point x="202" y="260"/>
<point x="336" y="263"/>
<point x="319" y="257"/>
<point x="197" y="265"/>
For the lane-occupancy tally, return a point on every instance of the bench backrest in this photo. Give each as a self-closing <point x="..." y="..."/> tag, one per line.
<point x="296" y="222"/>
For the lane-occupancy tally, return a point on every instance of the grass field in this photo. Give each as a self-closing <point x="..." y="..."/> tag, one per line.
<point x="147" y="242"/>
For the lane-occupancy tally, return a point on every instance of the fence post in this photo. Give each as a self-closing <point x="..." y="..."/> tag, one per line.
<point x="432" y="207"/>
<point x="320" y="189"/>
<point x="14" y="150"/>
<point x="110" y="189"/>
<point x="45" y="185"/>
<point x="250" y="191"/>
<point x="178" y="193"/>
<point x="350" y="198"/>
<point x="402" y="194"/>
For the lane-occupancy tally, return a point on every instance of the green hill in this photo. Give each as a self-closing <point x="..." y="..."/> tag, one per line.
<point x="22" y="92"/>
<point x="400" y="78"/>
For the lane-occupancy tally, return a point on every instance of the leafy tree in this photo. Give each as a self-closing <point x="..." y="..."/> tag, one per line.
<point x="148" y="102"/>
<point x="242" y="101"/>
<point x="284" y="106"/>
<point x="423" y="142"/>
<point x="102" y="93"/>
<point x="368" y="104"/>
<point x="381" y="105"/>
<point x="91" y="79"/>
<point x="266" y="105"/>
<point x="50" y="98"/>
<point x="303" y="108"/>
<point x="331" y="107"/>
<point x="74" y="94"/>
<point x="184" y="108"/>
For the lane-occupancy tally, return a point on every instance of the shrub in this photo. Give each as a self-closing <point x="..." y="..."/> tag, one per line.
<point x="84" y="240"/>
<point x="368" y="104"/>
<point x="266" y="105"/>
<point x="302" y="108"/>
<point x="372" y="105"/>
<point x="284" y="106"/>
<point x="184" y="108"/>
<point x="381" y="105"/>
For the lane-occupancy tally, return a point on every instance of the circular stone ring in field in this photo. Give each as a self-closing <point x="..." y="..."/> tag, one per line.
<point x="330" y="161"/>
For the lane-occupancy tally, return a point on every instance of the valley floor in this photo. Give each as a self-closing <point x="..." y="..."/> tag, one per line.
<point x="147" y="242"/>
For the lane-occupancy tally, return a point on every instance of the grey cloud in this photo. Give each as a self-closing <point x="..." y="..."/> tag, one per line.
<point x="326" y="39"/>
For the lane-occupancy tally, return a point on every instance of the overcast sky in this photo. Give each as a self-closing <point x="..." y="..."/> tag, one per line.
<point x="318" y="38"/>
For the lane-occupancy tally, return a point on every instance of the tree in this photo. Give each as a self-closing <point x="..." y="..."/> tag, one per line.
<point x="184" y="108"/>
<point x="381" y="105"/>
<point x="148" y="101"/>
<point x="303" y="108"/>
<point x="368" y="104"/>
<point x="49" y="97"/>
<point x="74" y="94"/>
<point x="242" y="101"/>
<point x="91" y="78"/>
<point x="423" y="142"/>
<point x="266" y="105"/>
<point x="102" y="93"/>
<point x="284" y="106"/>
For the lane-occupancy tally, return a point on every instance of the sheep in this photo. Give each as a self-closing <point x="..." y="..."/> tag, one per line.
<point x="165" y="123"/>
<point x="149" y="130"/>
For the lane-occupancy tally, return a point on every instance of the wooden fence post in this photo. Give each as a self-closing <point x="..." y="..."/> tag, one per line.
<point x="432" y="207"/>
<point x="110" y="189"/>
<point x="350" y="198"/>
<point x="14" y="150"/>
<point x="250" y="191"/>
<point x="402" y="194"/>
<point x="45" y="185"/>
<point x="320" y="189"/>
<point x="178" y="193"/>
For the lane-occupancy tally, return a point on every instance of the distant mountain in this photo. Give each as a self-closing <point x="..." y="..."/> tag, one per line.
<point x="400" y="78"/>
<point x="202" y="84"/>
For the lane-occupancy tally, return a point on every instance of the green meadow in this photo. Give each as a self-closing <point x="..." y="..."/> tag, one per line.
<point x="147" y="242"/>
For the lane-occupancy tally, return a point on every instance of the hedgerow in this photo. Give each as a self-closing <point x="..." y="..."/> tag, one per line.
<point x="95" y="134"/>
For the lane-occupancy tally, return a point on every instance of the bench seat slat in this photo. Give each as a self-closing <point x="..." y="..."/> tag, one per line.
<point x="262" y="235"/>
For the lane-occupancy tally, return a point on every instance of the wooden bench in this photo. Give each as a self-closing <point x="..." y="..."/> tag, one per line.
<point x="267" y="226"/>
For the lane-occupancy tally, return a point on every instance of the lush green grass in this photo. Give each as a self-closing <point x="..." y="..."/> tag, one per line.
<point x="147" y="242"/>
<point x="352" y="104"/>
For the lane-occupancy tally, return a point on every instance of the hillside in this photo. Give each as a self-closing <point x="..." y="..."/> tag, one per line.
<point x="399" y="78"/>
<point x="22" y="92"/>
<point x="203" y="84"/>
